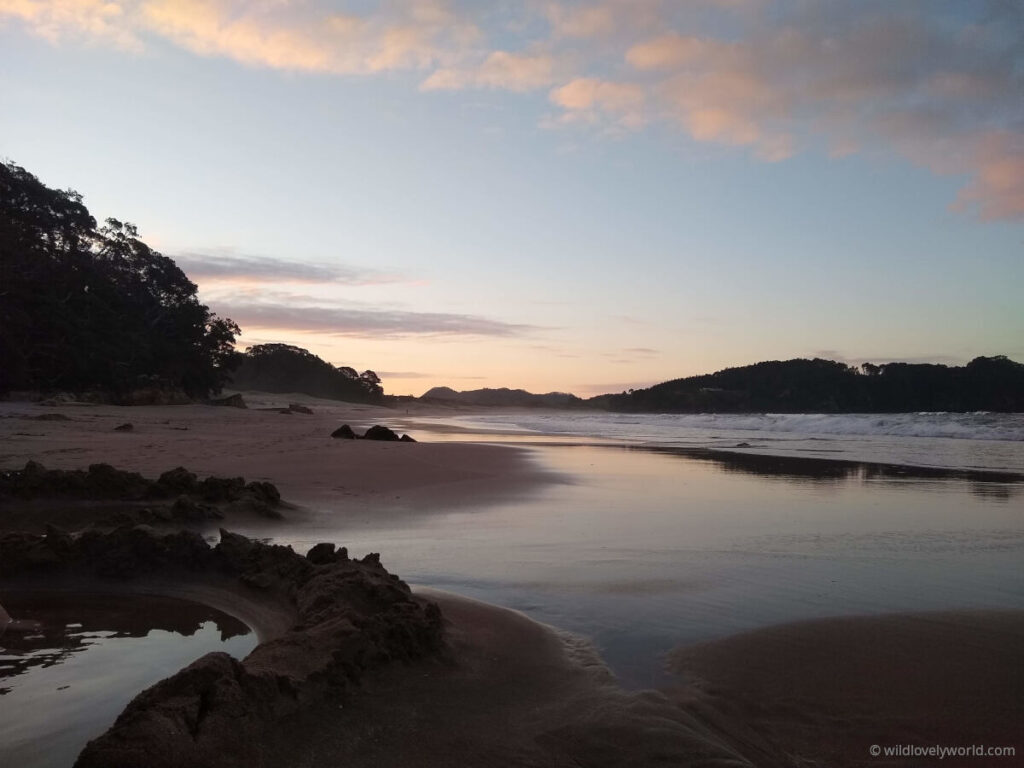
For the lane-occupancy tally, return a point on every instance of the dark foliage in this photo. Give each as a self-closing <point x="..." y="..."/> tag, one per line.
<point x="502" y="398"/>
<point x="94" y="308"/>
<point x="825" y="386"/>
<point x="286" y="368"/>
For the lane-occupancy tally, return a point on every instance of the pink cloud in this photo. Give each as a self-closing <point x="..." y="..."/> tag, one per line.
<point x="939" y="88"/>
<point x="500" y="69"/>
<point x="586" y="97"/>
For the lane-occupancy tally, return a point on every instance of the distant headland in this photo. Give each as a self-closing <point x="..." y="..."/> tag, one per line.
<point x="93" y="309"/>
<point x="795" y="386"/>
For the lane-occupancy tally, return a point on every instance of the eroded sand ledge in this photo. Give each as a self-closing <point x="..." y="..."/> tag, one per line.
<point x="324" y="621"/>
<point x="353" y="668"/>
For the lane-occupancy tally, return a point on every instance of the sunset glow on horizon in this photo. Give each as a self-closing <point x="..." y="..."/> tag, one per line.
<point x="555" y="196"/>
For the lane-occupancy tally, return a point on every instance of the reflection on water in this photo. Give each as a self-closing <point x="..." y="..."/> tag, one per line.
<point x="994" y="486"/>
<point x="71" y="663"/>
<point x="642" y="550"/>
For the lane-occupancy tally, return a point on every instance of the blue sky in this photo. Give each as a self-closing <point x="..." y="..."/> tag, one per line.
<point x="570" y="196"/>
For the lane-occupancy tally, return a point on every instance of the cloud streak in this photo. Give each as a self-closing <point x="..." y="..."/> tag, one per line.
<point x="209" y="267"/>
<point x="310" y="37"/>
<point x="361" y="322"/>
<point x="937" y="83"/>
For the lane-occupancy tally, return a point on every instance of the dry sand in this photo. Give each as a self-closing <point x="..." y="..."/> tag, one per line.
<point x="293" y="451"/>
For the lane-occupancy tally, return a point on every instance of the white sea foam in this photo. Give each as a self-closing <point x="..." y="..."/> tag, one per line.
<point x="983" y="440"/>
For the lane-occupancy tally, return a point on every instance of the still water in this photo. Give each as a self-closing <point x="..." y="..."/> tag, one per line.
<point x="78" y="659"/>
<point x="644" y="549"/>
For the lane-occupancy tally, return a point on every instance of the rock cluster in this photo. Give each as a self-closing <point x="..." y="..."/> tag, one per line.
<point x="351" y="617"/>
<point x="193" y="499"/>
<point x="376" y="432"/>
<point x="232" y="401"/>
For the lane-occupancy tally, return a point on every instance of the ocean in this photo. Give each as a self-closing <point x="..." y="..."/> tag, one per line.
<point x="964" y="441"/>
<point x="661" y="531"/>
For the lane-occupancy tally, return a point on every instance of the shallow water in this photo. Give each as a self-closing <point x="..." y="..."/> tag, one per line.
<point x="642" y="550"/>
<point x="979" y="441"/>
<point x="66" y="681"/>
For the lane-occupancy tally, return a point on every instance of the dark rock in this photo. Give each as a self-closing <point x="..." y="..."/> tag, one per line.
<point x="264" y="491"/>
<point x="296" y="408"/>
<point x="742" y="445"/>
<point x="189" y="510"/>
<point x="258" y="580"/>
<point x="372" y="558"/>
<point x="162" y="515"/>
<point x="154" y="395"/>
<point x="177" y="481"/>
<point x="34" y="469"/>
<point x="221" y="489"/>
<point x="102" y="481"/>
<point x="51" y="417"/>
<point x="407" y="439"/>
<point x="247" y="557"/>
<point x="22" y="552"/>
<point x="350" y="618"/>
<point x="126" y="427"/>
<point x="321" y="553"/>
<point x="380" y="432"/>
<point x="132" y="551"/>
<point x="232" y="401"/>
<point x="344" y="432"/>
<point x="213" y="707"/>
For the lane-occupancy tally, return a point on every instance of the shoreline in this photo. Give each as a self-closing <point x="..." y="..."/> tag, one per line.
<point x="565" y="707"/>
<point x="295" y="452"/>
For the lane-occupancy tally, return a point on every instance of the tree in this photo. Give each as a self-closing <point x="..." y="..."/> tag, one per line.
<point x="286" y="368"/>
<point x="371" y="383"/>
<point x="87" y="308"/>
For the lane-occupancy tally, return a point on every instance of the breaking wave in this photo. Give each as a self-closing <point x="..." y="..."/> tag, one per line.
<point x="982" y="440"/>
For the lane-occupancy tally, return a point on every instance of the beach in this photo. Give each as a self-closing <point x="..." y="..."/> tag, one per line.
<point x="614" y="602"/>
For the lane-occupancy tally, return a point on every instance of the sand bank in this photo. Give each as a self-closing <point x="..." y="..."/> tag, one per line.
<point x="293" y="451"/>
<point x="824" y="692"/>
<point x="511" y="693"/>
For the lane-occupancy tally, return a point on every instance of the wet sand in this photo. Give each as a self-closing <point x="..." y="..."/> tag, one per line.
<point x="514" y="693"/>
<point x="824" y="692"/>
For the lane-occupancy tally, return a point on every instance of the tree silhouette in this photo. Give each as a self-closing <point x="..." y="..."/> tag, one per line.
<point x="286" y="368"/>
<point x="87" y="308"/>
<point x="826" y="386"/>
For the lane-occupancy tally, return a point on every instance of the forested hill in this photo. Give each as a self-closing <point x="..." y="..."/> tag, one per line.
<point x="89" y="308"/>
<point x="826" y="386"/>
<point x="504" y="397"/>
<point x="286" y="368"/>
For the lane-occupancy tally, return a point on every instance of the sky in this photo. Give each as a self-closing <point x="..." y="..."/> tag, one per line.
<point x="557" y="196"/>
